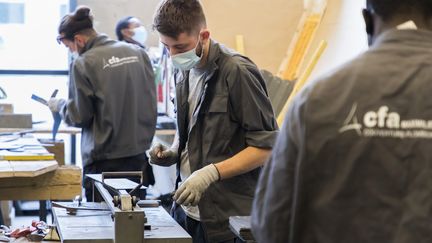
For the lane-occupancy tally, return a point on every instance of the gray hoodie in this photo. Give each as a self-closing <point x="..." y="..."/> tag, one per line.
<point x="112" y="97"/>
<point x="353" y="161"/>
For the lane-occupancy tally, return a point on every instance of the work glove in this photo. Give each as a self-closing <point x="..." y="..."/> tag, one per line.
<point x="162" y="155"/>
<point x="56" y="104"/>
<point x="191" y="190"/>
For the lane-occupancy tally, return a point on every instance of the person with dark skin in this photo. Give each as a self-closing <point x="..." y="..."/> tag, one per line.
<point x="112" y="97"/>
<point x="225" y="124"/>
<point x="353" y="162"/>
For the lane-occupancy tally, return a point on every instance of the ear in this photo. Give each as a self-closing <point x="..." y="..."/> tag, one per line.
<point x="367" y="16"/>
<point x="205" y="34"/>
<point x="79" y="41"/>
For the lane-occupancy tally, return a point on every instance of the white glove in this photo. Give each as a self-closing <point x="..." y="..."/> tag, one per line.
<point x="56" y="104"/>
<point x="161" y="155"/>
<point x="190" y="192"/>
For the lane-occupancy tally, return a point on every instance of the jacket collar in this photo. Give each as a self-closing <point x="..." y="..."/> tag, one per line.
<point x="93" y="42"/>
<point x="418" y="37"/>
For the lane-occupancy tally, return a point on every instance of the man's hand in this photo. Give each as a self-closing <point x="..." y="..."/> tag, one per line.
<point x="191" y="190"/>
<point x="162" y="155"/>
<point x="56" y="104"/>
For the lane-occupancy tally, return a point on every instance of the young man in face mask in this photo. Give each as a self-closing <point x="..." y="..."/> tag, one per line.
<point x="112" y="97"/>
<point x="131" y="30"/>
<point x="226" y="126"/>
<point x="353" y="162"/>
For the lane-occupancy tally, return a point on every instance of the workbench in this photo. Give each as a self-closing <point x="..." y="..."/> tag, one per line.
<point x="97" y="226"/>
<point x="46" y="128"/>
<point x="37" y="179"/>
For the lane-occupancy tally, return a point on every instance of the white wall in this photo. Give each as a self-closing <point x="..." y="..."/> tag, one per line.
<point x="108" y="12"/>
<point x="344" y="30"/>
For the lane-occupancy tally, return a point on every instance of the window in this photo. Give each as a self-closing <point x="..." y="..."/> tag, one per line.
<point x="28" y="31"/>
<point x="11" y="13"/>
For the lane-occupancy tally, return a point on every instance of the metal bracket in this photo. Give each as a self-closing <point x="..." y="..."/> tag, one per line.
<point x="128" y="220"/>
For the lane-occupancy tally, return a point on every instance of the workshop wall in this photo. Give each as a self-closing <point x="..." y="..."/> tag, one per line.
<point x="108" y="12"/>
<point x="267" y="26"/>
<point x="344" y="30"/>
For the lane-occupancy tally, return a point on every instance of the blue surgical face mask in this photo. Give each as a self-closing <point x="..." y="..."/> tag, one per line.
<point x="140" y="35"/>
<point x="73" y="55"/>
<point x="186" y="60"/>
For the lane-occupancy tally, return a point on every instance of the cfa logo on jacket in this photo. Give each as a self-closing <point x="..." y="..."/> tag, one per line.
<point x="384" y="123"/>
<point x="117" y="61"/>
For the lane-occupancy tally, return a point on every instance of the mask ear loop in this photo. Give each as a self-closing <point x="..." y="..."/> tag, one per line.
<point x="202" y="46"/>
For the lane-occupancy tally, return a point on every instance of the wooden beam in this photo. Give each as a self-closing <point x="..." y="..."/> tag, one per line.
<point x="301" y="42"/>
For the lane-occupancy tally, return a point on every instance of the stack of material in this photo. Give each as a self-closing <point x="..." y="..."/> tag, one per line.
<point x="29" y="172"/>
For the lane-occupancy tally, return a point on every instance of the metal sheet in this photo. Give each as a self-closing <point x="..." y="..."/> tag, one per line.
<point x="116" y="183"/>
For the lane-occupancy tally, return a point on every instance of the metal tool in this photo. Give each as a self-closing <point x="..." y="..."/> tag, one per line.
<point x="57" y="118"/>
<point x="72" y="209"/>
<point x="129" y="219"/>
<point x="56" y="115"/>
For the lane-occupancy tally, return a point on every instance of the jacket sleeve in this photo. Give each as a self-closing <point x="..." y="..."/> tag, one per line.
<point x="272" y="213"/>
<point x="250" y="105"/>
<point x="78" y="110"/>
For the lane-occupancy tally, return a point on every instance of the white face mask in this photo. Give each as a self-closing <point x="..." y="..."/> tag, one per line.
<point x="186" y="60"/>
<point x="74" y="55"/>
<point x="140" y="35"/>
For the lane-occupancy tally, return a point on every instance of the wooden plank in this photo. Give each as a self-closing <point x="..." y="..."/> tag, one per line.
<point x="240" y="44"/>
<point x="5" y="169"/>
<point x="55" y="147"/>
<point x="62" y="184"/>
<point x="32" y="168"/>
<point x="301" y="42"/>
<point x="64" y="175"/>
<point x="16" y="120"/>
<point x="63" y="192"/>
<point x="10" y="169"/>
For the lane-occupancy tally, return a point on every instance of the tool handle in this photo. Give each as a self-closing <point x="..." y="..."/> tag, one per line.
<point x="54" y="93"/>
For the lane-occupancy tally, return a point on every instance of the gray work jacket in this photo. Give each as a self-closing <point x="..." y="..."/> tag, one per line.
<point x="354" y="162"/>
<point x="233" y="112"/>
<point x="112" y="97"/>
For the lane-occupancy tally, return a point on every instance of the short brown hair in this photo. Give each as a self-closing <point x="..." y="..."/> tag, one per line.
<point x="78" y="21"/>
<point x="174" y="17"/>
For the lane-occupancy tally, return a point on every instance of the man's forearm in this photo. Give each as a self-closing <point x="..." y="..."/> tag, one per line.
<point x="246" y="160"/>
